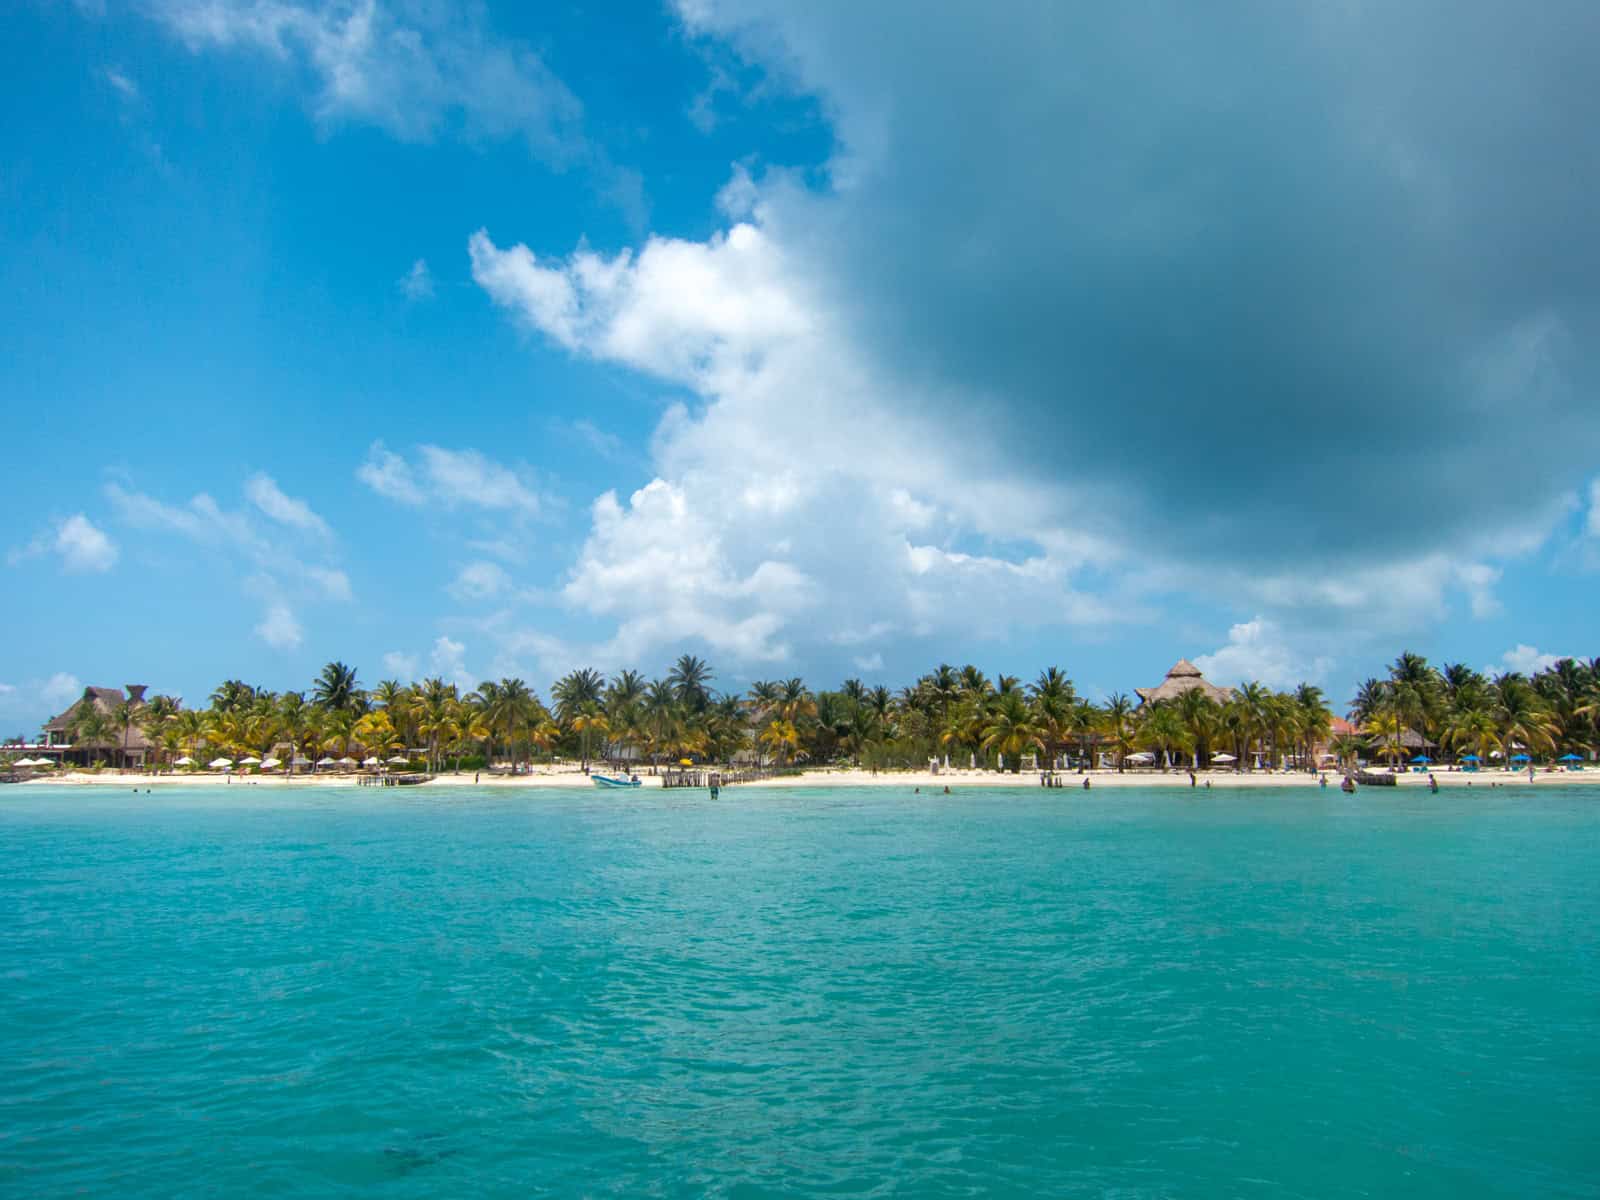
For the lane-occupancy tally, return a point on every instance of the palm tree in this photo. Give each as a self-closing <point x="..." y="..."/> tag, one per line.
<point x="1084" y="721"/>
<point x="232" y="693"/>
<point x="376" y="734"/>
<point x="437" y="717"/>
<point x="191" y="727"/>
<point x="1012" y="727"/>
<point x="1253" y="701"/>
<point x="1198" y="713"/>
<point x="588" y="720"/>
<point x="337" y="687"/>
<point x="123" y="717"/>
<point x="689" y="677"/>
<point x="1161" y="729"/>
<point x="1521" y="717"/>
<point x="782" y="738"/>
<point x="155" y="719"/>
<point x="91" y="728"/>
<point x="1312" y="721"/>
<point x="1119" y="725"/>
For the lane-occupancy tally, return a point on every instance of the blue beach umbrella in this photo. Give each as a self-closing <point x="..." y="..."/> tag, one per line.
<point x="1572" y="758"/>
<point x="1469" y="758"/>
<point x="1519" y="758"/>
<point x="1422" y="758"/>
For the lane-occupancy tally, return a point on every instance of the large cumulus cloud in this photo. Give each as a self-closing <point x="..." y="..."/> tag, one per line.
<point x="1293" y="277"/>
<point x="1099" y="306"/>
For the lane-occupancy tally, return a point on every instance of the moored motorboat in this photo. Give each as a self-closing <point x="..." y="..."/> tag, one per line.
<point x="608" y="781"/>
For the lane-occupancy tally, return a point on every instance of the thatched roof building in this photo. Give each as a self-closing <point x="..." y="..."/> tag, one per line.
<point x="1184" y="677"/>
<point x="58" y="730"/>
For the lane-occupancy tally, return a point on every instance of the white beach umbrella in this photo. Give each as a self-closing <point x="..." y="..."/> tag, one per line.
<point x="324" y="761"/>
<point x="301" y="761"/>
<point x="347" y="761"/>
<point x="1223" y="758"/>
<point x="1140" y="756"/>
<point x="398" y="759"/>
<point x="370" y="761"/>
<point x="269" y="762"/>
<point x="249" y="762"/>
<point x="24" y="762"/>
<point x="217" y="763"/>
<point x="185" y="761"/>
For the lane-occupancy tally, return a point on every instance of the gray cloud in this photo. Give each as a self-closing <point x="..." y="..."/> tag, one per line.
<point x="1266" y="280"/>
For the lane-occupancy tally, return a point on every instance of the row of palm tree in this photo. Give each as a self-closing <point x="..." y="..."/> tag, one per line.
<point x="948" y="714"/>
<point x="1419" y="708"/>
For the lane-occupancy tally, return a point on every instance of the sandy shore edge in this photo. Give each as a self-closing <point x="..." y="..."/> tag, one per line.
<point x="835" y="778"/>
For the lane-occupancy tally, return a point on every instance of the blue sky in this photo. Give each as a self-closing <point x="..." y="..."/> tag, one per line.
<point x="813" y="339"/>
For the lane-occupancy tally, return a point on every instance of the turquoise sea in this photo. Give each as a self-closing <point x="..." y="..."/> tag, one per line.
<point x="235" y="992"/>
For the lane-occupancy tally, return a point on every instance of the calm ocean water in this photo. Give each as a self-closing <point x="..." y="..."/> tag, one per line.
<point x="1128" y="994"/>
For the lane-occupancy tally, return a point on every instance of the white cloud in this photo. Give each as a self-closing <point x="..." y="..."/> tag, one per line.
<point x="417" y="283"/>
<point x="869" y="662"/>
<point x="335" y="584"/>
<point x="605" y="444"/>
<point x="279" y="574"/>
<point x="83" y="546"/>
<point x="414" y="70"/>
<point x="1592" y="522"/>
<point x="390" y="476"/>
<point x="400" y="665"/>
<point x="1258" y="650"/>
<point x="279" y="628"/>
<point x="1526" y="660"/>
<point x="124" y="85"/>
<point x="1478" y="580"/>
<point x="448" y="662"/>
<point x="60" y="690"/>
<point x="450" y="478"/>
<point x="262" y="491"/>
<point x="7" y="689"/>
<point x="480" y="581"/>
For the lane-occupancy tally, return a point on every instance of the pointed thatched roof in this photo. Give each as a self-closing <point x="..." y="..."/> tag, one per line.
<point x="1184" y="677"/>
<point x="106" y="700"/>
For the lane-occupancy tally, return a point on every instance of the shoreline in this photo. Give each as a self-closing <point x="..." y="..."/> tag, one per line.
<point x="546" y="778"/>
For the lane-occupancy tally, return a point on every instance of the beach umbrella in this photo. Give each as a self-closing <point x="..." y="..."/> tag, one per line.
<point x="1223" y="758"/>
<point x="251" y="761"/>
<point x="185" y="761"/>
<point x="269" y="762"/>
<point x="218" y="763"/>
<point x="1571" y="758"/>
<point x="1470" y="758"/>
<point x="369" y="762"/>
<point x="24" y="762"/>
<point x="399" y="760"/>
<point x="1519" y="758"/>
<point x="686" y="762"/>
<point x="324" y="761"/>
<point x="1422" y="758"/>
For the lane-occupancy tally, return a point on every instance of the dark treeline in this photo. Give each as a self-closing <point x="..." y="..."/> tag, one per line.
<point x="955" y="714"/>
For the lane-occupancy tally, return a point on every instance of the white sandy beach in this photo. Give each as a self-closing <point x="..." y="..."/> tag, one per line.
<point x="569" y="777"/>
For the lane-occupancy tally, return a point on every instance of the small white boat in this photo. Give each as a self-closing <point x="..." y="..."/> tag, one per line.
<point x="607" y="781"/>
